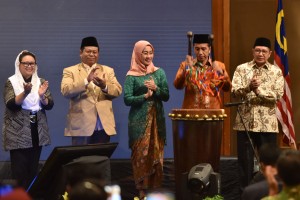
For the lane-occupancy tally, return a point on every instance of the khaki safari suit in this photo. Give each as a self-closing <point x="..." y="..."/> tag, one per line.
<point x="88" y="101"/>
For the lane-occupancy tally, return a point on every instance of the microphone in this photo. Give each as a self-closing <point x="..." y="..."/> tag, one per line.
<point x="234" y="103"/>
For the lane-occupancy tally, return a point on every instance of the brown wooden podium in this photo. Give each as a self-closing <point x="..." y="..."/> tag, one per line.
<point x="197" y="136"/>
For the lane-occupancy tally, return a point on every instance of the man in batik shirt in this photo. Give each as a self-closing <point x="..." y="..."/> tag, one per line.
<point x="202" y="79"/>
<point x="260" y="84"/>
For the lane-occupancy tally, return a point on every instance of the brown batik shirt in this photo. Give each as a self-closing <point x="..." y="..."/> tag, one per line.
<point x="259" y="113"/>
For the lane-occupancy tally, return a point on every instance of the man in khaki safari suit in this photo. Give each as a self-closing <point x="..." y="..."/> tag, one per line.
<point x="90" y="87"/>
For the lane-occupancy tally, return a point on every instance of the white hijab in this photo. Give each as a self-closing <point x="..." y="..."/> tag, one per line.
<point x="32" y="101"/>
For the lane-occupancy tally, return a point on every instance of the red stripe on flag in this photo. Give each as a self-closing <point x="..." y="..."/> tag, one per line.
<point x="286" y="118"/>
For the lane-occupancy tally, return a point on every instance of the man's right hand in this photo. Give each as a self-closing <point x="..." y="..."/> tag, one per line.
<point x="189" y="61"/>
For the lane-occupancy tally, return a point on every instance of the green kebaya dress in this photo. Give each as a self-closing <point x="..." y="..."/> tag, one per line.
<point x="146" y="127"/>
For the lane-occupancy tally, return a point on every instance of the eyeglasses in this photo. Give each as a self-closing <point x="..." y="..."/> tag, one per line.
<point x="258" y="51"/>
<point x="27" y="64"/>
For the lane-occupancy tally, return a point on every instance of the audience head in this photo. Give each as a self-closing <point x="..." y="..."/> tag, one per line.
<point x="78" y="172"/>
<point x="269" y="153"/>
<point x="288" y="166"/>
<point x="160" y="194"/>
<point x="89" y="189"/>
<point x="16" y="194"/>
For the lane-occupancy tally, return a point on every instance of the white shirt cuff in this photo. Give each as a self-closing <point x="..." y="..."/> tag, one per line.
<point x="85" y="82"/>
<point x="105" y="89"/>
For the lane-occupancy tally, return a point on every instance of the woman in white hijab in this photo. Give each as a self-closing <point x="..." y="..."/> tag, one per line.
<point x="25" y="128"/>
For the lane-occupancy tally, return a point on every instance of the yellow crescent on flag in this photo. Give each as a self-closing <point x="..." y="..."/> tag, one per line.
<point x="278" y="24"/>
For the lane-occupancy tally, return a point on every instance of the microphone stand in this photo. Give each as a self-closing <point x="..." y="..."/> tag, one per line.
<point x="247" y="133"/>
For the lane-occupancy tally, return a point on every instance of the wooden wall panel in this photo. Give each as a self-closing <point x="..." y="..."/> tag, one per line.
<point x="221" y="31"/>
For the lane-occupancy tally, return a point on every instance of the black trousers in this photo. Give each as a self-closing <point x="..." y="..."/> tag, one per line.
<point x="25" y="162"/>
<point x="246" y="154"/>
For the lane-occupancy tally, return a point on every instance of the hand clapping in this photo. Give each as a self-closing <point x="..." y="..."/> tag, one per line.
<point x="100" y="82"/>
<point x="27" y="88"/>
<point x="254" y="84"/>
<point x="93" y="76"/>
<point x="150" y="84"/>
<point x="43" y="88"/>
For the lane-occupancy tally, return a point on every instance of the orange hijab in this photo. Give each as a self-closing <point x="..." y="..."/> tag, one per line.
<point x="137" y="68"/>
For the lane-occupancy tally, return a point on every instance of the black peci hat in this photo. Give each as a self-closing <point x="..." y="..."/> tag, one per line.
<point x="201" y="38"/>
<point x="261" y="41"/>
<point x="89" y="41"/>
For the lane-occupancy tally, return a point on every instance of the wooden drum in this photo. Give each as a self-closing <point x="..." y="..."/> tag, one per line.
<point x="197" y="135"/>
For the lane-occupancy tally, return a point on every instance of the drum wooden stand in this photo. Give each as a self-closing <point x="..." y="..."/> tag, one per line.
<point x="197" y="136"/>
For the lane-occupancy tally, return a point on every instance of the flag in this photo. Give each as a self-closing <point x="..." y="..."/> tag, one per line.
<point x="284" y="110"/>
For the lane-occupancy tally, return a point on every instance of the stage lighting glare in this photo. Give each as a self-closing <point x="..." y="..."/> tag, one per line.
<point x="198" y="178"/>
